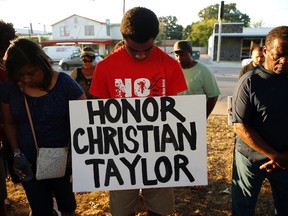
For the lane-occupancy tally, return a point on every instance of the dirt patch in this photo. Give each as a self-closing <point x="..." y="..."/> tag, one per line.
<point x="213" y="200"/>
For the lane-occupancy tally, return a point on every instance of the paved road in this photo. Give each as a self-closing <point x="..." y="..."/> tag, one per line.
<point x="226" y="74"/>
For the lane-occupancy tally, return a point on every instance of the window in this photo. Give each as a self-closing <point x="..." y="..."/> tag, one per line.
<point x="89" y="30"/>
<point x="64" y="31"/>
<point x="108" y="30"/>
<point x="75" y="21"/>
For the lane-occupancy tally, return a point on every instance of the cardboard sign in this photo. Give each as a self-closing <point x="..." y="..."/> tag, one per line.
<point x="134" y="143"/>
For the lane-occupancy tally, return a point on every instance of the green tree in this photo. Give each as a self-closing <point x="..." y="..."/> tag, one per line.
<point x="186" y="32"/>
<point x="231" y="14"/>
<point x="202" y="30"/>
<point x="169" y="29"/>
<point x="258" y="24"/>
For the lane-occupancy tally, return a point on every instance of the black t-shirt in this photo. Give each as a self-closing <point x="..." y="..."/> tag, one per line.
<point x="84" y="83"/>
<point x="260" y="99"/>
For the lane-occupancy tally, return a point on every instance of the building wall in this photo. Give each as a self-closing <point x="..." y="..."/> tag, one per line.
<point x="230" y="49"/>
<point x="229" y="27"/>
<point x="115" y="32"/>
<point x="236" y="41"/>
<point x="75" y="26"/>
<point x="211" y="46"/>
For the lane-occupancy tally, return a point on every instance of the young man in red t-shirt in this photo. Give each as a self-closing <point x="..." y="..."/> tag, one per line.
<point x="139" y="69"/>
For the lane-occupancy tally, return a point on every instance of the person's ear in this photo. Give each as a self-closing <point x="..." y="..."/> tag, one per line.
<point x="264" y="50"/>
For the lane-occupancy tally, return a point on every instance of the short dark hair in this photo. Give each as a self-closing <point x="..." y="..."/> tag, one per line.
<point x="7" y="33"/>
<point x="280" y="32"/>
<point x="24" y="52"/>
<point x="139" y="24"/>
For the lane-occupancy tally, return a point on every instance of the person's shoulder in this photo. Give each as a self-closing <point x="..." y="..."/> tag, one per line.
<point x="199" y="64"/>
<point x="248" y="67"/>
<point x="203" y="67"/>
<point x="250" y="64"/>
<point x="64" y="77"/>
<point x="250" y="74"/>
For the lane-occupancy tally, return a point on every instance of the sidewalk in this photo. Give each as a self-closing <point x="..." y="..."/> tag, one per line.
<point x="220" y="108"/>
<point x="204" y="59"/>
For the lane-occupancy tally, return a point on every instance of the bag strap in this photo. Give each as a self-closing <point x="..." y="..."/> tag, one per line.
<point x="30" y="121"/>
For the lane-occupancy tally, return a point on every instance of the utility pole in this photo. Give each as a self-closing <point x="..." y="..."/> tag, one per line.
<point x="220" y="17"/>
<point x="31" y="28"/>
<point x="123" y="7"/>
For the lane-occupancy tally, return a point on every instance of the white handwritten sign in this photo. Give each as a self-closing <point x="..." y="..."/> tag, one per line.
<point x="138" y="143"/>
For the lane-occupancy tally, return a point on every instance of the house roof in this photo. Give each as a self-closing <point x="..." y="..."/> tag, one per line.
<point x="248" y="32"/>
<point x="78" y="16"/>
<point x="256" y="31"/>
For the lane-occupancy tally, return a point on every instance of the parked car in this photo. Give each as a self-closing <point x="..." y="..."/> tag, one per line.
<point x="56" y="53"/>
<point x="75" y="60"/>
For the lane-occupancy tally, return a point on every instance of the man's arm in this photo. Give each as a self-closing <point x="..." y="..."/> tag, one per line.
<point x="210" y="104"/>
<point x="255" y="141"/>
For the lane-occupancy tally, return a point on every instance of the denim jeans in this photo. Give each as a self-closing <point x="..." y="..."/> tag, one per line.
<point x="247" y="180"/>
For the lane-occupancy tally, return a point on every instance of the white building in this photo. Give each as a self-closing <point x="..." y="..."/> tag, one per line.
<point x="80" y="30"/>
<point x="237" y="41"/>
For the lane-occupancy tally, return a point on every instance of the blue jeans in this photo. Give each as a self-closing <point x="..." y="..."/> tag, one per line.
<point x="247" y="180"/>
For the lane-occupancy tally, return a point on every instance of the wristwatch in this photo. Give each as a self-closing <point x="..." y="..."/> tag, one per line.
<point x="16" y="152"/>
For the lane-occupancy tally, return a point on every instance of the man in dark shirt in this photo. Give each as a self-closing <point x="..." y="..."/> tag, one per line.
<point x="260" y="104"/>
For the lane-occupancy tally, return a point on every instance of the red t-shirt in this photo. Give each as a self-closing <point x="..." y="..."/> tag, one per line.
<point x="121" y="76"/>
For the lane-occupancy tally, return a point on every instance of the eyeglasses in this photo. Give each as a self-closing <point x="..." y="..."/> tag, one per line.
<point x="86" y="60"/>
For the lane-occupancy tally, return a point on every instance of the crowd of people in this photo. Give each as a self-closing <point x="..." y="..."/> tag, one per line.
<point x="29" y="82"/>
